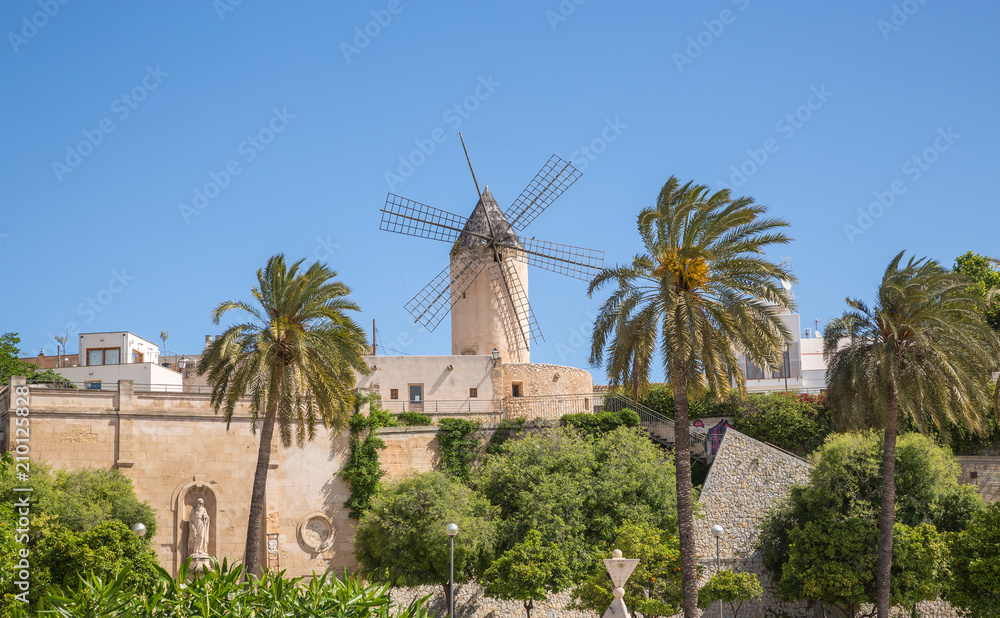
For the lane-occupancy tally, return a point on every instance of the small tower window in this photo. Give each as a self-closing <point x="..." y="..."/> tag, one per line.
<point x="473" y="392"/>
<point x="516" y="390"/>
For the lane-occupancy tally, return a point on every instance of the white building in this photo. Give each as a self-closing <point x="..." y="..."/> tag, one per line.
<point x="803" y="370"/>
<point x="105" y="358"/>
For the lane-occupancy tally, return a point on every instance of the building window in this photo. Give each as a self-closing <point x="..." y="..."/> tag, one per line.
<point x="393" y="393"/>
<point x="754" y="372"/>
<point x="786" y="369"/>
<point x="515" y="390"/>
<point x="136" y="356"/>
<point x="93" y="386"/>
<point x="103" y="356"/>
<point x="416" y="393"/>
<point x="473" y="392"/>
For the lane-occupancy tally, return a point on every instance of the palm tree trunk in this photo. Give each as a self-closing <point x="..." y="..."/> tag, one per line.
<point x="887" y="516"/>
<point x="685" y="511"/>
<point x="255" y="526"/>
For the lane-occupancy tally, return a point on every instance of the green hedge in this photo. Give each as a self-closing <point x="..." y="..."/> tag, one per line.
<point x="601" y="422"/>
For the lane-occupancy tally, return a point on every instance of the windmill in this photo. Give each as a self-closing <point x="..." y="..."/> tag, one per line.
<point x="485" y="285"/>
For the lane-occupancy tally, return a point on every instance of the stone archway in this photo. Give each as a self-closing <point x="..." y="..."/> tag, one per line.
<point x="185" y="498"/>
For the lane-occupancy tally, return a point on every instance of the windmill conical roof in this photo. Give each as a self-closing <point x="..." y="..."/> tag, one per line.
<point x="478" y="226"/>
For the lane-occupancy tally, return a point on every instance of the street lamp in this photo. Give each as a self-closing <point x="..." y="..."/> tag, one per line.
<point x="717" y="532"/>
<point x="496" y="355"/>
<point x="139" y="530"/>
<point x="452" y="530"/>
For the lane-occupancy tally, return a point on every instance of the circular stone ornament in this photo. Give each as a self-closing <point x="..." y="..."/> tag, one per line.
<point x="316" y="531"/>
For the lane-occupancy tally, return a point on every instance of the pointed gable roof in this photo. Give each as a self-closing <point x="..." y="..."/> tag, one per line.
<point x="478" y="226"/>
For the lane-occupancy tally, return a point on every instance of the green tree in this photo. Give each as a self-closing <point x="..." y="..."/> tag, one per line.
<point x="821" y="544"/>
<point x="983" y="272"/>
<point x="653" y="590"/>
<point x="61" y="556"/>
<point x="976" y="558"/>
<point x="293" y="359"/>
<point x="923" y="350"/>
<point x="12" y="365"/>
<point x="9" y="546"/>
<point x="401" y="539"/>
<point x="577" y="490"/>
<point x="527" y="572"/>
<point x="701" y="289"/>
<point x="730" y="587"/>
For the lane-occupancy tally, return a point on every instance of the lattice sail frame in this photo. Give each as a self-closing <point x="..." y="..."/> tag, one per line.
<point x="431" y="304"/>
<point x="548" y="184"/>
<point x="519" y="323"/>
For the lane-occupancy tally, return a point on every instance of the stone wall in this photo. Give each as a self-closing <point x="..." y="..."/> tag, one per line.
<point x="470" y="602"/>
<point x="983" y="473"/>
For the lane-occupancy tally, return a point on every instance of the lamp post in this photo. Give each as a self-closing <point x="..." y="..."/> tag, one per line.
<point x="717" y="532"/>
<point x="452" y="530"/>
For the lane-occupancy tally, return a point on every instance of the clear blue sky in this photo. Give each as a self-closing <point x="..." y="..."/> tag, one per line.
<point x="843" y="94"/>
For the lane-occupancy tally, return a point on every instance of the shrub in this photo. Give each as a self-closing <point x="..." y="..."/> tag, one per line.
<point x="413" y="419"/>
<point x="601" y="422"/>
<point x="459" y="446"/>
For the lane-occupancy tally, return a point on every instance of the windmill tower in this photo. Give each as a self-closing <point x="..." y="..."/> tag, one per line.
<point x="485" y="285"/>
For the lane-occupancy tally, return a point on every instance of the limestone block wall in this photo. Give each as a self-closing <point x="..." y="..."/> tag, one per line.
<point x="983" y="473"/>
<point x="546" y="391"/>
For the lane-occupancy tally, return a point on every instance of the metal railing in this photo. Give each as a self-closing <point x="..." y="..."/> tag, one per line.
<point x="441" y="406"/>
<point x="109" y="385"/>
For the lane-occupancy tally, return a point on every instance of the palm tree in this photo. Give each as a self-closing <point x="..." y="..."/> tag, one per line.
<point x="700" y="290"/>
<point x="924" y="350"/>
<point x="293" y="359"/>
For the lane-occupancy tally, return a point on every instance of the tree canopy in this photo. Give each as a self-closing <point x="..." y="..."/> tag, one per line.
<point x="821" y="543"/>
<point x="576" y="490"/>
<point x="12" y="365"/>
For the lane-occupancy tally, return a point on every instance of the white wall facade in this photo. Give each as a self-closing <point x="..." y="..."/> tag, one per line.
<point x="446" y="382"/>
<point x="124" y="341"/>
<point x="146" y="376"/>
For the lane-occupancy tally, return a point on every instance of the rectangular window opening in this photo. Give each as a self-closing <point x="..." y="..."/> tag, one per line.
<point x="473" y="392"/>
<point x="516" y="390"/>
<point x="393" y="393"/>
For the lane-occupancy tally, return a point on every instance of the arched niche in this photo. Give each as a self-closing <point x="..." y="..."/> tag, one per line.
<point x="183" y="502"/>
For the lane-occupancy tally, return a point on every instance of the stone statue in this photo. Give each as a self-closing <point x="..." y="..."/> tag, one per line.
<point x="198" y="532"/>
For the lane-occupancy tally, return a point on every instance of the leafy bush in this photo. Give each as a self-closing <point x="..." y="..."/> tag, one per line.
<point x="730" y="587"/>
<point x="402" y="539"/>
<point x="459" y="446"/>
<point x="576" y="490"/>
<point x="795" y="422"/>
<point x="527" y="572"/>
<point x="221" y="592"/>
<point x="362" y="469"/>
<point x="821" y="543"/>
<point x="507" y="429"/>
<point x="413" y="419"/>
<point x="601" y="422"/>
<point x="976" y="557"/>
<point x="654" y="589"/>
<point x="107" y="550"/>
